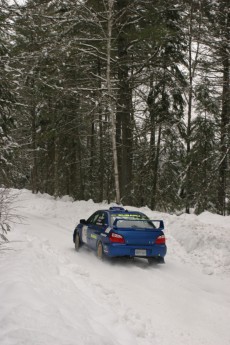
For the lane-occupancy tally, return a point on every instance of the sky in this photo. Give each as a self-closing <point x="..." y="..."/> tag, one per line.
<point x="52" y="295"/>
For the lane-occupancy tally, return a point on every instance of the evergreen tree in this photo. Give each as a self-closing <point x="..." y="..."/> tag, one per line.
<point x="216" y="64"/>
<point x="8" y="146"/>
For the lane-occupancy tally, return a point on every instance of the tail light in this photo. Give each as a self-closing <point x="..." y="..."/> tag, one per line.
<point x="160" y="240"/>
<point x="116" y="238"/>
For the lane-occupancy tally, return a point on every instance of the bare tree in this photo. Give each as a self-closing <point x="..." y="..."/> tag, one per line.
<point x="8" y="214"/>
<point x="110" y="97"/>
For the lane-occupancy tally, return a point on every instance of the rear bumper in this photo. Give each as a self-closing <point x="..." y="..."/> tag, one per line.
<point x="113" y="250"/>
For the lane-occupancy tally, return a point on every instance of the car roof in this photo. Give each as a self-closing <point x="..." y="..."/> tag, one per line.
<point x="120" y="210"/>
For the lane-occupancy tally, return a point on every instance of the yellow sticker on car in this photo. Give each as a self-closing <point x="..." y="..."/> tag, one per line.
<point x="129" y="215"/>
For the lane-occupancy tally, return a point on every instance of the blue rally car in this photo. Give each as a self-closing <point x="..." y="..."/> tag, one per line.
<point x="117" y="232"/>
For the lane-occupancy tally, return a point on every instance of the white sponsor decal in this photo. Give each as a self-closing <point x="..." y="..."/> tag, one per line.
<point x="84" y="233"/>
<point x="108" y="230"/>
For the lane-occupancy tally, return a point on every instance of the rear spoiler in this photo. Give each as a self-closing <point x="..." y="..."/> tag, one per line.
<point x="160" y="222"/>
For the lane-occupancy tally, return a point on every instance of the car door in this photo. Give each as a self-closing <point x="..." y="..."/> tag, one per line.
<point x="100" y="223"/>
<point x="88" y="229"/>
<point x="91" y="228"/>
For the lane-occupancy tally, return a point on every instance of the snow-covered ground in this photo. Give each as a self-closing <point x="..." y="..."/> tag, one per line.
<point x="51" y="295"/>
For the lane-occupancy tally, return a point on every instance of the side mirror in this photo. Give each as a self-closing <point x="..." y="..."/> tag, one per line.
<point x="83" y="221"/>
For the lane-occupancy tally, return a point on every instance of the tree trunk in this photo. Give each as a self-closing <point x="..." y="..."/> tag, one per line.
<point x="34" y="171"/>
<point x="155" y="172"/>
<point x="56" y="159"/>
<point x="225" y="122"/>
<point x="101" y="135"/>
<point x="124" y="106"/>
<point x="79" y="168"/>
<point x="110" y="99"/>
<point x="189" y="115"/>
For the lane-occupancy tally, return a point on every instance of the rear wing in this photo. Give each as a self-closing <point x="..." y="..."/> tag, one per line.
<point x="159" y="223"/>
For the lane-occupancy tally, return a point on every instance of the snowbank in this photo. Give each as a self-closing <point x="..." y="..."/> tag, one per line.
<point x="204" y="239"/>
<point x="52" y="295"/>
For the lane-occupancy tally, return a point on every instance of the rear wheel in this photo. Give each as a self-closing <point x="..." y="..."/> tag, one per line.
<point x="160" y="260"/>
<point x="100" y="252"/>
<point x="156" y="260"/>
<point x="77" y="242"/>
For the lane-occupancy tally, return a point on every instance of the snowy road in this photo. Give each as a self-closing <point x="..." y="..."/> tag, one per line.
<point x="51" y="295"/>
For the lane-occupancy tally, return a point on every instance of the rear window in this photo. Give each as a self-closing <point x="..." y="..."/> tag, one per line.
<point x="131" y="220"/>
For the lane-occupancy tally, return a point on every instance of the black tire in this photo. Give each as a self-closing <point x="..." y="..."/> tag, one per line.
<point x="156" y="260"/>
<point x="77" y="242"/>
<point x="100" y="251"/>
<point x="152" y="261"/>
<point x="160" y="260"/>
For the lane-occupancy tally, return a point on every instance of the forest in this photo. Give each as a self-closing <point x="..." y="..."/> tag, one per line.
<point x="117" y="100"/>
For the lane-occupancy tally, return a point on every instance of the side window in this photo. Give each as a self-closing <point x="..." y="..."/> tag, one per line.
<point x="102" y="219"/>
<point x="93" y="218"/>
<point x="106" y="219"/>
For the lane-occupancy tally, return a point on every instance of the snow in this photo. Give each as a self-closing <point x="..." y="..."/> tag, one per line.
<point x="52" y="295"/>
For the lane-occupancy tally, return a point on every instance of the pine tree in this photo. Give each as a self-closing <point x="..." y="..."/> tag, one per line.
<point x="8" y="146"/>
